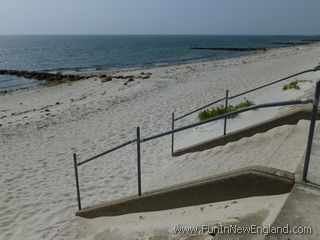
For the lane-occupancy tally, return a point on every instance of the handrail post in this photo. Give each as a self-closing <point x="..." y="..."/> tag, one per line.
<point x="225" y="111"/>
<point x="172" y="135"/>
<point x="77" y="180"/>
<point x="311" y="132"/>
<point x="139" y="160"/>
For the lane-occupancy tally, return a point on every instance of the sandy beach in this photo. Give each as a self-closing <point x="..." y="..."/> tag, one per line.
<point x="41" y="127"/>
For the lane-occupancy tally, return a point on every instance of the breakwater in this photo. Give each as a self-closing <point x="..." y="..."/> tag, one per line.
<point x="230" y="49"/>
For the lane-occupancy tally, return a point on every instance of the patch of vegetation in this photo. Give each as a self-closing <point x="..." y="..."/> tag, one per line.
<point x="55" y="82"/>
<point x="294" y="84"/>
<point x="317" y="67"/>
<point x="219" y="110"/>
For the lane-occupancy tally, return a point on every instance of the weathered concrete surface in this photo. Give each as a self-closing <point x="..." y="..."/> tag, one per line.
<point x="301" y="209"/>
<point x="314" y="166"/>
<point x="291" y="117"/>
<point x="242" y="183"/>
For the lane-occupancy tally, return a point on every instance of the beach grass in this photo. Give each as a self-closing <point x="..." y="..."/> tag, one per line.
<point x="219" y="110"/>
<point x="294" y="84"/>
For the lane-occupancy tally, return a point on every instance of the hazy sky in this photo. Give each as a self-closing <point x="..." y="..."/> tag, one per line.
<point x="160" y="17"/>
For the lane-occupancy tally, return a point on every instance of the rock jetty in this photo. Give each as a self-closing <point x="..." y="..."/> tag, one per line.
<point x="231" y="49"/>
<point x="43" y="76"/>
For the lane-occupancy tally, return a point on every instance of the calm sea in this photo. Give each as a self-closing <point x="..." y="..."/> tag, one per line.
<point x="90" y="53"/>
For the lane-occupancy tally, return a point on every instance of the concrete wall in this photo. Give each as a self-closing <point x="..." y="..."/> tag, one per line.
<point x="246" y="182"/>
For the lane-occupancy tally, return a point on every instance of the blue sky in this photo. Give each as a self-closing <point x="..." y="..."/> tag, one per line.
<point x="295" y="17"/>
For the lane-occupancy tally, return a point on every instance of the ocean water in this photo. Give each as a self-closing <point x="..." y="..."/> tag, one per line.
<point x="83" y="53"/>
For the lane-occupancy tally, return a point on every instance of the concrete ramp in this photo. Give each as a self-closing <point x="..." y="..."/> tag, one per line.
<point x="242" y="183"/>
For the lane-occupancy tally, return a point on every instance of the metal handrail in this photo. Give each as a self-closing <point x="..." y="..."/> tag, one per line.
<point x="140" y="140"/>
<point x="146" y="139"/>
<point x="311" y="132"/>
<point x="106" y="152"/>
<point x="274" y="82"/>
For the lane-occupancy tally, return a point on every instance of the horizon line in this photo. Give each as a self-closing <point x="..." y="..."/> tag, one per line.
<point x="150" y="34"/>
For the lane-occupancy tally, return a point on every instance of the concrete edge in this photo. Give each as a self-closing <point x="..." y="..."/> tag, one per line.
<point x="289" y="118"/>
<point x="242" y="183"/>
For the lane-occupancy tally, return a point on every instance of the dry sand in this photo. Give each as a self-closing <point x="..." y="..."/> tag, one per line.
<point x="41" y="128"/>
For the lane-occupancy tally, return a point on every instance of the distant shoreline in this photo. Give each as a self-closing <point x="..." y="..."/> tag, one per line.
<point x="69" y="54"/>
<point x="93" y="73"/>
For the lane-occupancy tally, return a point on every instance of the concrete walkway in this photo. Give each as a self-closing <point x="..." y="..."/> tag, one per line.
<point x="301" y="209"/>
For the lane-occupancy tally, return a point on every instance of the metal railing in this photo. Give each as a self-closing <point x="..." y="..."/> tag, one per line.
<point x="311" y="132"/>
<point x="140" y="140"/>
<point x="226" y="100"/>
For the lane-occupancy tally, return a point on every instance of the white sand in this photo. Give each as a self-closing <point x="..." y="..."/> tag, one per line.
<point x="37" y="190"/>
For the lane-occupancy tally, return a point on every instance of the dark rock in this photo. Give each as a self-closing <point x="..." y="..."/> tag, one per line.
<point x="228" y="49"/>
<point x="54" y="77"/>
<point x="129" y="80"/>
